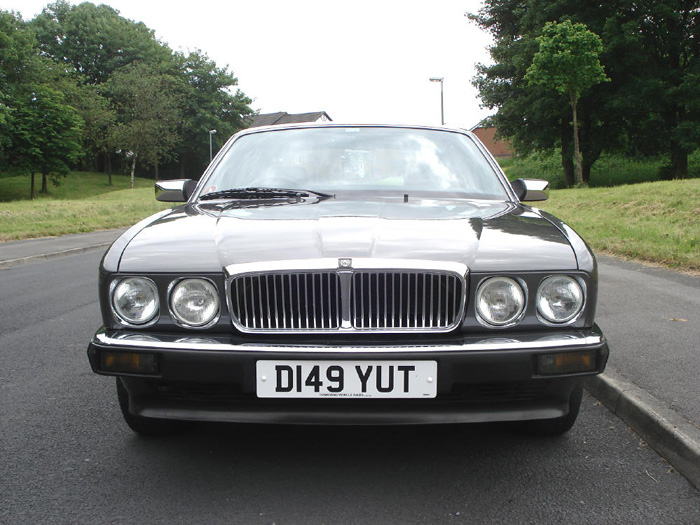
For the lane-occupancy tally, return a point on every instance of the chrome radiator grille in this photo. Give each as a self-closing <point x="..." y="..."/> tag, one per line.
<point x="333" y="301"/>
<point x="299" y="301"/>
<point x="405" y="300"/>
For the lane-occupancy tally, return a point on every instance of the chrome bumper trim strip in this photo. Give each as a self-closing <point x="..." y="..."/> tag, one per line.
<point x="151" y="342"/>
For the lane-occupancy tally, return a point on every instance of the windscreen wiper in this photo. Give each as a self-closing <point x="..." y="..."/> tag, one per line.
<point x="261" y="193"/>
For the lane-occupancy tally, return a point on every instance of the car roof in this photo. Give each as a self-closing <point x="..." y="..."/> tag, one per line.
<point x="316" y="125"/>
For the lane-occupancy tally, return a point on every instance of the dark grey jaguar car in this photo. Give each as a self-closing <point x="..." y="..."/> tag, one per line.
<point x="344" y="274"/>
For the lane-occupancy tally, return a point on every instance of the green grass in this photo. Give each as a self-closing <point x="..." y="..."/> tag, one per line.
<point x="83" y="202"/>
<point x="656" y="222"/>
<point x="77" y="185"/>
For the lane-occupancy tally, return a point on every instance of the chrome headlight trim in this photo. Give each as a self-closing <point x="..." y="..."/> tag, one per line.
<point x="581" y="300"/>
<point x="118" y="311"/>
<point x="522" y="297"/>
<point x="178" y="318"/>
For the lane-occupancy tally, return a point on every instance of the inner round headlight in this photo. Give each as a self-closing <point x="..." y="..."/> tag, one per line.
<point x="135" y="300"/>
<point x="500" y="301"/>
<point x="194" y="302"/>
<point x="559" y="298"/>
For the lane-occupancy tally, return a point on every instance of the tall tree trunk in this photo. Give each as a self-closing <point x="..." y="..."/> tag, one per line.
<point x="586" y="172"/>
<point x="31" y="190"/>
<point x="590" y="147"/>
<point x="566" y="162"/>
<point x="157" y="171"/>
<point x="588" y="157"/>
<point x="44" y="186"/>
<point x="100" y="160"/>
<point x="109" y="168"/>
<point x="679" y="161"/>
<point x="577" y="150"/>
<point x="133" y="168"/>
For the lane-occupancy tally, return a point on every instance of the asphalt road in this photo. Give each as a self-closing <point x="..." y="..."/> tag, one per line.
<point x="67" y="457"/>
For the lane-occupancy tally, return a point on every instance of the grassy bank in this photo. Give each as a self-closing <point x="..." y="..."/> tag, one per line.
<point x="83" y="202"/>
<point x="655" y="222"/>
<point x="627" y="210"/>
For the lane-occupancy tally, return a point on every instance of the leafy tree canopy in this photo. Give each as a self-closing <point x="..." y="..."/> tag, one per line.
<point x="211" y="103"/>
<point x="46" y="134"/>
<point x="568" y="62"/>
<point x="568" y="59"/>
<point x="148" y="104"/>
<point x="40" y="131"/>
<point x="95" y="40"/>
<point x="17" y="65"/>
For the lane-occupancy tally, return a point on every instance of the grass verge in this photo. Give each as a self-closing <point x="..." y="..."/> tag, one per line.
<point x="82" y="203"/>
<point x="656" y="222"/>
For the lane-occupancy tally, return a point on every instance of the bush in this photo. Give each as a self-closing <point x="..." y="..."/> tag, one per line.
<point x="535" y="166"/>
<point x="610" y="169"/>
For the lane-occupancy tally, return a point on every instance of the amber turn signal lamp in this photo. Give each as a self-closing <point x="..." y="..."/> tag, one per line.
<point x="567" y="363"/>
<point x="128" y="362"/>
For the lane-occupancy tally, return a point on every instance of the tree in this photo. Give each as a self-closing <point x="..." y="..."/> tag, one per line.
<point x="148" y="105"/>
<point x="46" y="135"/>
<point x="568" y="61"/>
<point x="208" y="104"/>
<point x="534" y="118"/>
<point x="99" y="120"/>
<point x="94" y="40"/>
<point x="650" y="106"/>
<point x="667" y="80"/>
<point x="130" y="91"/>
<point x="17" y="64"/>
<point x="41" y="132"/>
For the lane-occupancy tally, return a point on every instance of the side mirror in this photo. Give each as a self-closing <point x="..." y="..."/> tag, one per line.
<point x="530" y="189"/>
<point x="178" y="190"/>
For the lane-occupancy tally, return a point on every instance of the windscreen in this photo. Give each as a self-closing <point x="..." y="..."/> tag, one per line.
<point x="336" y="159"/>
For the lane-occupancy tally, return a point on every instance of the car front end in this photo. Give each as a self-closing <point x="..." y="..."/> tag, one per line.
<point x="384" y="302"/>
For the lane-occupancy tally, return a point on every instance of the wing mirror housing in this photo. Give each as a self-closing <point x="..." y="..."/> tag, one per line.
<point x="531" y="189"/>
<point x="177" y="190"/>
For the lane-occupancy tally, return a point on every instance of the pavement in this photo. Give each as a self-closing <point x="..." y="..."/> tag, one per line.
<point x="652" y="378"/>
<point x="16" y="253"/>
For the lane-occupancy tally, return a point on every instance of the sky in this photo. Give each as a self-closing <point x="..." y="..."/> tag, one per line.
<point x="360" y="61"/>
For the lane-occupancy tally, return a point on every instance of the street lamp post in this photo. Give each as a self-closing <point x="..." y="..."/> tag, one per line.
<point x="442" y="98"/>
<point x="211" y="132"/>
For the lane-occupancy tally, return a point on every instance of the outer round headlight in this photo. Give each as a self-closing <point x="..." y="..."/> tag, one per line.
<point x="500" y="301"/>
<point x="559" y="298"/>
<point x="135" y="300"/>
<point x="194" y="302"/>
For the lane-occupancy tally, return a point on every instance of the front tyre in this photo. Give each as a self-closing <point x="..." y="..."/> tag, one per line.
<point x="559" y="425"/>
<point x="146" y="426"/>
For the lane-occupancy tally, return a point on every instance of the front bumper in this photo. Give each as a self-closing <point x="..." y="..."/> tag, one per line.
<point x="480" y="379"/>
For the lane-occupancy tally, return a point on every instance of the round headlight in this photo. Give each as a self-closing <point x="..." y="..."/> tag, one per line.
<point x="500" y="301"/>
<point x="559" y="298"/>
<point x="194" y="302"/>
<point x="135" y="300"/>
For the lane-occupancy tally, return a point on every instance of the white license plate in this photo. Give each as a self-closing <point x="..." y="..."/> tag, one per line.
<point x="347" y="379"/>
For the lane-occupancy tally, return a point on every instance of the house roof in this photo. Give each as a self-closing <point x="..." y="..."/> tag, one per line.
<point x="282" y="117"/>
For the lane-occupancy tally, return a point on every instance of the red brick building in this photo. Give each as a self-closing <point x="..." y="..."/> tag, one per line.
<point x="498" y="148"/>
